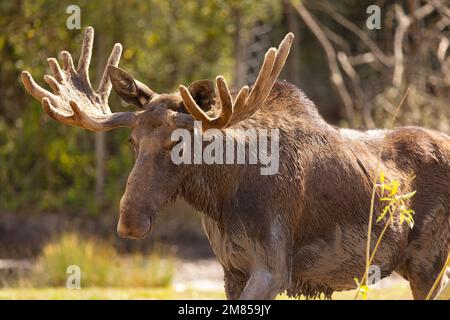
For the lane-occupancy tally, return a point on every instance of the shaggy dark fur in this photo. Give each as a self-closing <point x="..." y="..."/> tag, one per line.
<point x="304" y="229"/>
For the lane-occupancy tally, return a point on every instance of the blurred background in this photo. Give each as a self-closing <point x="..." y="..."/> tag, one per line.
<point x="60" y="186"/>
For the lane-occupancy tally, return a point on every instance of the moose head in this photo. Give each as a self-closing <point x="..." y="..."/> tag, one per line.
<point x="154" y="178"/>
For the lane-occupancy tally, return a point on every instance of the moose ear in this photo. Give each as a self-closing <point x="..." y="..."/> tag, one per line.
<point x="202" y="91"/>
<point x="129" y="89"/>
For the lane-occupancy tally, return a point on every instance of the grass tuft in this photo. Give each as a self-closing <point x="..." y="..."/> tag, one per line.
<point x="100" y="265"/>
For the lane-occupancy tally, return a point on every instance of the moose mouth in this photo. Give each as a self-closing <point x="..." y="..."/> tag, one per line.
<point x="141" y="232"/>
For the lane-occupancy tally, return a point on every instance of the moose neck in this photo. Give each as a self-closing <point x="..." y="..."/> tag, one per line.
<point x="201" y="188"/>
<point x="211" y="188"/>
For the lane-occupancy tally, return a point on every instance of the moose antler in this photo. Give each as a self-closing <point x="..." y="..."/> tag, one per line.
<point x="73" y="100"/>
<point x="245" y="104"/>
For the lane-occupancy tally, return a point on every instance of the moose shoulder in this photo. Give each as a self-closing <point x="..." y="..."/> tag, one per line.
<point x="302" y="230"/>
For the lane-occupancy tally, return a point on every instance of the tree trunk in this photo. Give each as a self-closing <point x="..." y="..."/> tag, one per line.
<point x="239" y="53"/>
<point x="293" y="62"/>
<point x="99" y="136"/>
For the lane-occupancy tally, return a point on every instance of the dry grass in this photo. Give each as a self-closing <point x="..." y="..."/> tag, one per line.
<point x="100" y="265"/>
<point x="397" y="292"/>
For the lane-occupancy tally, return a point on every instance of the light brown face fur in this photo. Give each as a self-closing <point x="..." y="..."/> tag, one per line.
<point x="154" y="179"/>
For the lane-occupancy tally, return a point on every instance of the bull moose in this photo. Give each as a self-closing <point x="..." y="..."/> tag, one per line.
<point x="302" y="230"/>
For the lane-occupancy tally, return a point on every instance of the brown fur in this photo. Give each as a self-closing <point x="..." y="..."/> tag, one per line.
<point x="304" y="229"/>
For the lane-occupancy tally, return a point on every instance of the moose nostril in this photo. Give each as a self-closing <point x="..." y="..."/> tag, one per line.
<point x="137" y="230"/>
<point x="123" y="233"/>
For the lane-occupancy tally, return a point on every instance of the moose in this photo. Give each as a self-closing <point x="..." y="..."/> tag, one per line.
<point x="303" y="230"/>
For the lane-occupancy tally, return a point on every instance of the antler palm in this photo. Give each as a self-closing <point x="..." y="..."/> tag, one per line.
<point x="73" y="100"/>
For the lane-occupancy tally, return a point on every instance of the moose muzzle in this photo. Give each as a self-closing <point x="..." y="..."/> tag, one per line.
<point x="135" y="222"/>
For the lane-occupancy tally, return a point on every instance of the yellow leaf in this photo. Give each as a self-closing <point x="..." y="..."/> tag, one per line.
<point x="394" y="187"/>
<point x="382" y="177"/>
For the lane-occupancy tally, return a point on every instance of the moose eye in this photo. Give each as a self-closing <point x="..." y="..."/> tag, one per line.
<point x="131" y="140"/>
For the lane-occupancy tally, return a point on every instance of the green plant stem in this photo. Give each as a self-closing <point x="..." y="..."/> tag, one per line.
<point x="372" y="256"/>
<point x="378" y="243"/>
<point x="438" y="279"/>
<point x="369" y="229"/>
<point x="372" y="199"/>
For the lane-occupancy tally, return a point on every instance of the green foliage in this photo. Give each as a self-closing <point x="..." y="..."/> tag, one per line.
<point x="390" y="191"/>
<point x="47" y="166"/>
<point x="396" y="202"/>
<point x="361" y="288"/>
<point x="100" y="265"/>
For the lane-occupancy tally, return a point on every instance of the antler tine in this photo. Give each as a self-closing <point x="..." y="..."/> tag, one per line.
<point x="228" y="108"/>
<point x="190" y="104"/>
<point x="274" y="61"/>
<point x="105" y="86"/>
<point x="86" y="52"/>
<point x="33" y="88"/>
<point x="73" y="100"/>
<point x="53" y="112"/>
<point x="67" y="62"/>
<point x="56" y="70"/>
<point x="277" y="64"/>
<point x="245" y="104"/>
<point x="280" y="59"/>
<point x="198" y="114"/>
<point x="261" y="80"/>
<point x="226" y="103"/>
<point x="283" y="52"/>
<point x="241" y="98"/>
<point x="53" y="84"/>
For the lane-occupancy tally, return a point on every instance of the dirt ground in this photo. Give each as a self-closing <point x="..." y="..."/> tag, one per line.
<point x="207" y="275"/>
